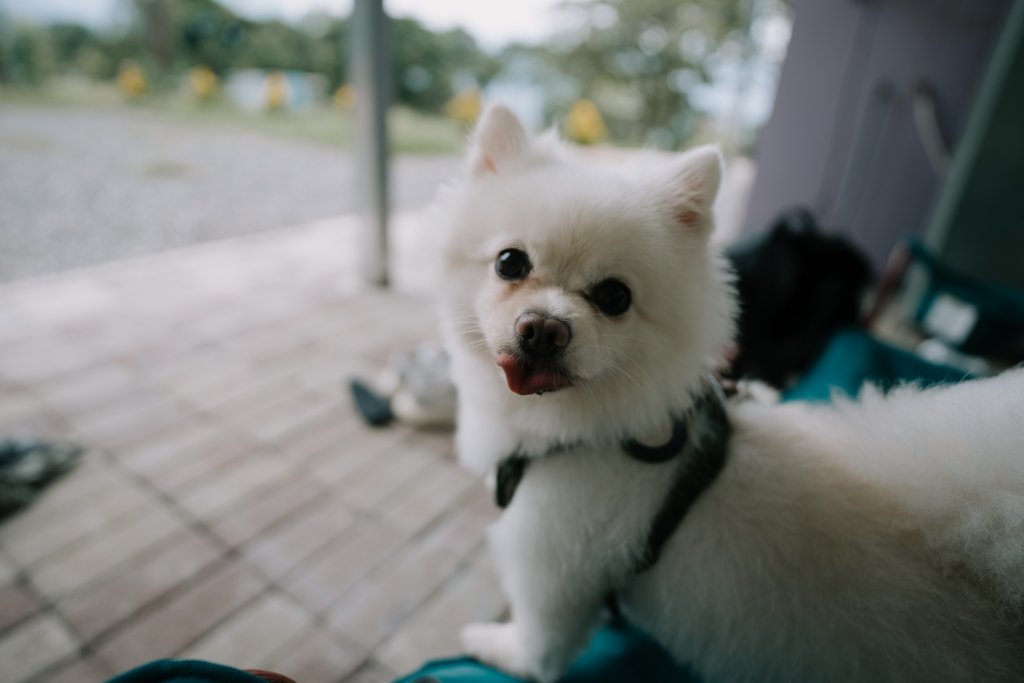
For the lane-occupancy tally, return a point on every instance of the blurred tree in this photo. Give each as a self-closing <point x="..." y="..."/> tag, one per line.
<point x="206" y="33"/>
<point x="32" y="55"/>
<point x="68" y="42"/>
<point x="165" y="39"/>
<point x="638" y="59"/>
<point x="158" y="34"/>
<point x="430" y="67"/>
<point x="276" y="45"/>
<point x="112" y="51"/>
<point x="95" y="61"/>
<point x="333" y="56"/>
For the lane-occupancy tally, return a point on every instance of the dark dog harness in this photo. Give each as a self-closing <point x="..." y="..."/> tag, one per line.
<point x="697" y="447"/>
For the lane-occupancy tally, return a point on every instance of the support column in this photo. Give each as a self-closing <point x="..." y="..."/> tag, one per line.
<point x="370" y="74"/>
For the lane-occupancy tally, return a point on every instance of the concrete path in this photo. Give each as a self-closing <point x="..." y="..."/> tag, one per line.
<point x="84" y="186"/>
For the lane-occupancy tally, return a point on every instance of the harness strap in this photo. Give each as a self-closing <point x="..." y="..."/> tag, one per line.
<point x="703" y="434"/>
<point x="692" y="478"/>
<point x="510" y="473"/>
<point x="663" y="453"/>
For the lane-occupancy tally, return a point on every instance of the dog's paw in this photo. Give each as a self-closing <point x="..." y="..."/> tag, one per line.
<point x="756" y="391"/>
<point x="497" y="645"/>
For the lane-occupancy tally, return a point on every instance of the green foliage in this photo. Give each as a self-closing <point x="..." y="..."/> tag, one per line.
<point x="31" y="58"/>
<point x="276" y="45"/>
<point x="169" y="37"/>
<point x="198" y="32"/>
<point x="637" y="59"/>
<point x="29" y="55"/>
<point x="430" y="67"/>
<point x="68" y="41"/>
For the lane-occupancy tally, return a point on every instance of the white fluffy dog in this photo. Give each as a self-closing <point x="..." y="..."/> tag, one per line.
<point x="877" y="540"/>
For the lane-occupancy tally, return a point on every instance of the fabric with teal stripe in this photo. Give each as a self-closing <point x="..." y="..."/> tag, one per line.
<point x="185" y="671"/>
<point x="616" y="653"/>
<point x="854" y="357"/>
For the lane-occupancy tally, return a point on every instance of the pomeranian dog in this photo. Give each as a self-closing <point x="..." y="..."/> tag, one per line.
<point x="872" y="540"/>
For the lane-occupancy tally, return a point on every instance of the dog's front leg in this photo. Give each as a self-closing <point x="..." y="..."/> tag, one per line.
<point x="555" y="603"/>
<point x="537" y="644"/>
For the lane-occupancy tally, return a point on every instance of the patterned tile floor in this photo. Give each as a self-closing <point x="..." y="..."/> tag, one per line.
<point x="230" y="506"/>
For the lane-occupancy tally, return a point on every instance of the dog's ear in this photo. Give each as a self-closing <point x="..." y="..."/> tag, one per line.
<point x="499" y="139"/>
<point x="695" y="178"/>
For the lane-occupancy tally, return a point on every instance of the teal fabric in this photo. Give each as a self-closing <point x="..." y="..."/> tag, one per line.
<point x="854" y="357"/>
<point x="616" y="653"/>
<point x="998" y="329"/>
<point x="185" y="671"/>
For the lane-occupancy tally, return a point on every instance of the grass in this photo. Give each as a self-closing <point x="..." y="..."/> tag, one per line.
<point x="411" y="132"/>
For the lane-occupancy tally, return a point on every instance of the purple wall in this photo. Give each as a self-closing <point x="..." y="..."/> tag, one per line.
<point x="841" y="139"/>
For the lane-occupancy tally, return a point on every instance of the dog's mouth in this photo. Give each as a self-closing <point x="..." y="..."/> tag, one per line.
<point x="525" y="377"/>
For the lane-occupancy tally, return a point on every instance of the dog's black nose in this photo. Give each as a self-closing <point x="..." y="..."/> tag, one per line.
<point x="542" y="336"/>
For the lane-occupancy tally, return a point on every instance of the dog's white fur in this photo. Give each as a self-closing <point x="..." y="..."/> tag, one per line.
<point x="876" y="540"/>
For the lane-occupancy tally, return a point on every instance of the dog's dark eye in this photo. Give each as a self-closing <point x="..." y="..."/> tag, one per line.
<point x="612" y="297"/>
<point x="512" y="264"/>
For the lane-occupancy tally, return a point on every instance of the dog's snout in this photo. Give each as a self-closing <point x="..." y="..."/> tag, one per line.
<point x="540" y="335"/>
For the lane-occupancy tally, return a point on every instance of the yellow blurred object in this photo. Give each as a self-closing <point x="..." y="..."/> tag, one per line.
<point x="584" y="124"/>
<point x="203" y="83"/>
<point x="130" y="79"/>
<point x="465" y="106"/>
<point x="277" y="90"/>
<point x="345" y="96"/>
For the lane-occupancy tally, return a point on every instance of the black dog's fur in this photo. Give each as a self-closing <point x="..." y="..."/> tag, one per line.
<point x="797" y="286"/>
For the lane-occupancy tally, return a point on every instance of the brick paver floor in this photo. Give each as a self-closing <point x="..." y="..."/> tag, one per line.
<point x="231" y="506"/>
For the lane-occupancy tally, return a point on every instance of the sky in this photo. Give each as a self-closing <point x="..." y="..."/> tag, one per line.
<point x="493" y="24"/>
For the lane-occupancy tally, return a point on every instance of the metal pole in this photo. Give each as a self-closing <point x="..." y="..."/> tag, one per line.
<point x="370" y="74"/>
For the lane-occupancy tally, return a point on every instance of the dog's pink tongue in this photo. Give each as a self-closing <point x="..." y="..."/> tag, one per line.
<point x="524" y="380"/>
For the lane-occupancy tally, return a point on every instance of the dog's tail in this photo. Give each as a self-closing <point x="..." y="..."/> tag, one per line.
<point x="954" y="457"/>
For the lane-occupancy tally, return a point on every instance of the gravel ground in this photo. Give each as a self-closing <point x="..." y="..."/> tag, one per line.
<point x="87" y="186"/>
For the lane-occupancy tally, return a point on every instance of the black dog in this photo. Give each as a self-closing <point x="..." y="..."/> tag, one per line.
<point x="797" y="286"/>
